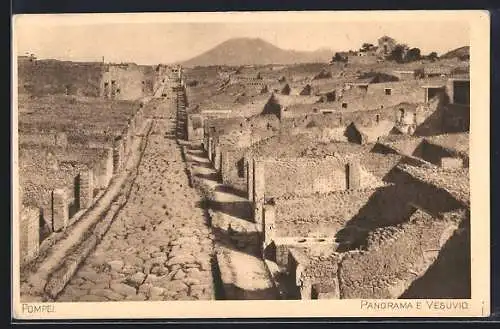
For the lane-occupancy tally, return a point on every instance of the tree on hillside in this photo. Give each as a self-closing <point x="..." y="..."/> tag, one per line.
<point x="339" y="57"/>
<point x="433" y="56"/>
<point x="398" y="53"/>
<point x="413" y="55"/>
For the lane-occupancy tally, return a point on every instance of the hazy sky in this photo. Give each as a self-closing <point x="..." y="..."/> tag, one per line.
<point x="76" y="37"/>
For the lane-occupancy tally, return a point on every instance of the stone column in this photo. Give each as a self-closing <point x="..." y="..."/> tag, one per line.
<point x="259" y="191"/>
<point x="304" y="285"/>
<point x="249" y="164"/>
<point x="60" y="211"/>
<point x="189" y="128"/>
<point x="210" y="148"/>
<point x="205" y="142"/>
<point x="29" y="234"/>
<point x="116" y="156"/>
<point x="217" y="158"/>
<point x="269" y="220"/>
<point x="353" y="176"/>
<point x="226" y="166"/>
<point x="108" y="168"/>
<point x="86" y="188"/>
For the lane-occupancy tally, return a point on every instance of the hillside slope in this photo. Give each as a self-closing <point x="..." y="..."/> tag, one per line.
<point x="461" y="52"/>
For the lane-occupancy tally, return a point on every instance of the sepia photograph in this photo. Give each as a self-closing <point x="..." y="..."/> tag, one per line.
<point x="168" y="164"/>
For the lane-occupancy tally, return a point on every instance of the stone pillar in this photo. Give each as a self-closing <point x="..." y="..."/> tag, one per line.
<point x="226" y="166"/>
<point x="304" y="285"/>
<point x="259" y="191"/>
<point x="205" y="142"/>
<point x="353" y="176"/>
<point x="190" y="132"/>
<point x="86" y="188"/>
<point x="117" y="155"/>
<point x="60" y="211"/>
<point x="131" y="132"/>
<point x="249" y="164"/>
<point x="449" y="90"/>
<point x="210" y="148"/>
<point x="107" y="168"/>
<point x="29" y="234"/>
<point x="269" y="220"/>
<point x="217" y="158"/>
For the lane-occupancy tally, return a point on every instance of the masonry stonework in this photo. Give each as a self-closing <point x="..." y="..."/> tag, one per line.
<point x="29" y="231"/>
<point x="86" y="189"/>
<point x="60" y="211"/>
<point x="259" y="190"/>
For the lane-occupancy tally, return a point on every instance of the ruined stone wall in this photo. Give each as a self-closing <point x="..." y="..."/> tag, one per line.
<point x="404" y="146"/>
<point x="131" y="81"/>
<point x="43" y="77"/>
<point x="75" y="115"/>
<point x="318" y="215"/>
<point x="431" y="153"/>
<point x="360" y="210"/>
<point x="103" y="170"/>
<point x="456" y="118"/>
<point x="195" y="127"/>
<point x="43" y="139"/>
<point x="338" y="118"/>
<point x="233" y="167"/>
<point x="376" y="97"/>
<point x="29" y="230"/>
<point x="424" y="257"/>
<point x="395" y="256"/>
<point x="38" y="186"/>
<point x="452" y="263"/>
<point x="42" y="170"/>
<point x="303" y="176"/>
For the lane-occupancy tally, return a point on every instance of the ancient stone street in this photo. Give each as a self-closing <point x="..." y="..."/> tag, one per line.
<point x="159" y="246"/>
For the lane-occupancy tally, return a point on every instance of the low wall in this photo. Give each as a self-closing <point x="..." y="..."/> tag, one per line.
<point x="233" y="167"/>
<point x="318" y="215"/>
<point x="403" y="261"/>
<point x="392" y="263"/>
<point x="302" y="176"/>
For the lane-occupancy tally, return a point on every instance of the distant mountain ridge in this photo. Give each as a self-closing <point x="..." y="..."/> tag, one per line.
<point x="255" y="51"/>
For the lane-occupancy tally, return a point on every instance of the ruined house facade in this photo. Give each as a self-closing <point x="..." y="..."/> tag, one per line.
<point x="126" y="82"/>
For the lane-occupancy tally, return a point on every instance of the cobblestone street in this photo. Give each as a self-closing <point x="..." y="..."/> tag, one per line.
<point x="159" y="247"/>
